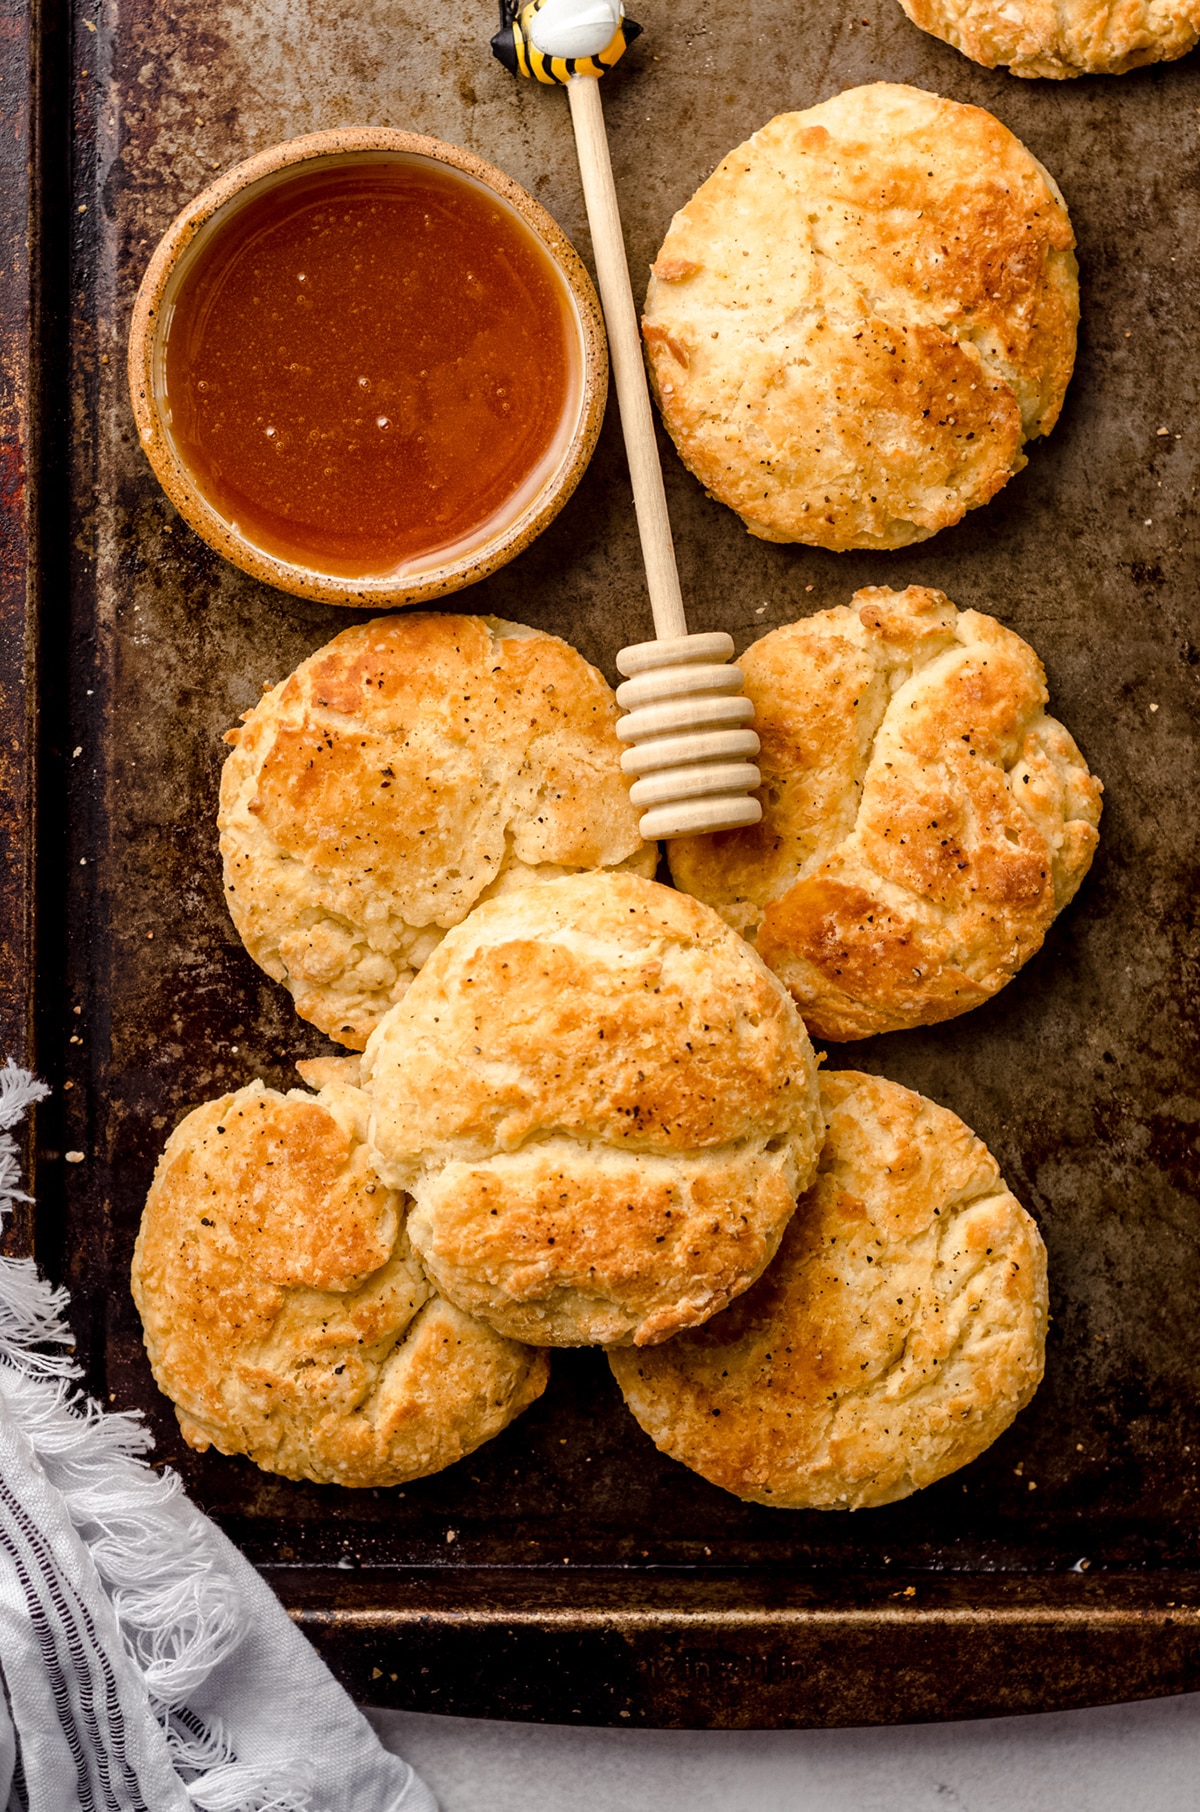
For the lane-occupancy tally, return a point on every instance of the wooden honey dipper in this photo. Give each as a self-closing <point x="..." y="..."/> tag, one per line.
<point x="689" y="726"/>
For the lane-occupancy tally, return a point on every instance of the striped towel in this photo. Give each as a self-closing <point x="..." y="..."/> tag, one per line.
<point x="146" y="1667"/>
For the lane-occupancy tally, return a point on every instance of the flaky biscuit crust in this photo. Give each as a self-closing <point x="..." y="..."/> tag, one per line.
<point x="412" y="767"/>
<point x="1062" y="38"/>
<point x="898" y="1332"/>
<point x="603" y="1105"/>
<point x="858" y="321"/>
<point x="285" y="1313"/>
<point x="924" y="820"/>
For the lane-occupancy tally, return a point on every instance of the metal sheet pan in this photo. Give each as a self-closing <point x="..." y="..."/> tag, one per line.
<point x="568" y="1571"/>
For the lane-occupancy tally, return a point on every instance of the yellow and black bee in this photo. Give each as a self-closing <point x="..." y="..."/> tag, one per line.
<point x="514" y="47"/>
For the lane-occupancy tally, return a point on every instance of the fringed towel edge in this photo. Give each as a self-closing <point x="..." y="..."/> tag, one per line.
<point x="176" y="1612"/>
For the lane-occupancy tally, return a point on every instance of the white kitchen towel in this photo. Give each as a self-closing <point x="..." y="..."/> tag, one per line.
<point x="145" y="1665"/>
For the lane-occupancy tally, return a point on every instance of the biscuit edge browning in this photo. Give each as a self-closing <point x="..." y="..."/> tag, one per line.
<point x="285" y="1315"/>
<point x="1086" y="37"/>
<point x="925" y="819"/>
<point x="603" y="1105"/>
<point x="897" y="1335"/>
<point x="404" y="771"/>
<point x="888" y="245"/>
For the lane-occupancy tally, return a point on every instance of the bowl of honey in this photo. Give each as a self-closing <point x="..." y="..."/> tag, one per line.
<point x="367" y="367"/>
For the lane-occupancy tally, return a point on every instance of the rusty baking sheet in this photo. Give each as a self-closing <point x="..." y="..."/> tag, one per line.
<point x="568" y="1571"/>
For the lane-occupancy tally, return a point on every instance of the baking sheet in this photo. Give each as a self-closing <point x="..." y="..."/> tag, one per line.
<point x="568" y="1571"/>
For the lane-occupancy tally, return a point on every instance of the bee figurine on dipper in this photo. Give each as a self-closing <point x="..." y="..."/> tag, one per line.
<point x="689" y="726"/>
<point x="513" y="44"/>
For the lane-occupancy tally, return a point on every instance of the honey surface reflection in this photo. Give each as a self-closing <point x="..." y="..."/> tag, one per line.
<point x="367" y="364"/>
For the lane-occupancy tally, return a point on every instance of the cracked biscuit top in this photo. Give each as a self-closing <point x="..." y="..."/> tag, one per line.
<point x="898" y="1332"/>
<point x="285" y="1313"/>
<point x="414" y="766"/>
<point x="603" y="1105"/>
<point x="924" y="820"/>
<point x="858" y="321"/>
<point x="1062" y="38"/>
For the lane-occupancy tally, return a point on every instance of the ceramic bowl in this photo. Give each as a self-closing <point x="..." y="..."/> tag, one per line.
<point x="184" y="240"/>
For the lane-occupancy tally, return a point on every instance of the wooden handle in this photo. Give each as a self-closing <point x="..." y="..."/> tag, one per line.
<point x="625" y="349"/>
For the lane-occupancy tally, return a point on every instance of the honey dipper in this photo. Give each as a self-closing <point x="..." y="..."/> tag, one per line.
<point x="689" y="726"/>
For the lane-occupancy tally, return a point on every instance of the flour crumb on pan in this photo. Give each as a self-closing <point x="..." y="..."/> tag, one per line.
<point x="287" y="1316"/>
<point x="858" y="322"/>
<point x="603" y="1105"/>
<point x="413" y="767"/>
<point x="1062" y="38"/>
<point x="896" y="1335"/>
<point x="924" y="819"/>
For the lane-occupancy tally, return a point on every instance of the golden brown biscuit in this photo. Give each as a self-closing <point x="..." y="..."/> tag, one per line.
<point x="603" y="1105"/>
<point x="896" y="1335"/>
<point x="285" y="1313"/>
<point x="858" y="321"/>
<point x="414" y="766"/>
<point x="924" y="820"/>
<point x="1062" y="38"/>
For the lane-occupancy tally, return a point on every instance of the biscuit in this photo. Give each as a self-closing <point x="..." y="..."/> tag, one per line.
<point x="896" y="1335"/>
<point x="285" y="1313"/>
<point x="414" y="766"/>
<point x="603" y="1105"/>
<point x="1062" y="38"/>
<point x="924" y="820"/>
<point x="858" y="321"/>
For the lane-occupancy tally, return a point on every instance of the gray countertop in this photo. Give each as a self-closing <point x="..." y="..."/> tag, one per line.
<point x="1117" y="1758"/>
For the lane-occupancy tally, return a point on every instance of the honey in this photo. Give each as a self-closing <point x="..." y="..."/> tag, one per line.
<point x="368" y="365"/>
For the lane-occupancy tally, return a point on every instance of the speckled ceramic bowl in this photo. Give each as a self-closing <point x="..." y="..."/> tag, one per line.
<point x="192" y="231"/>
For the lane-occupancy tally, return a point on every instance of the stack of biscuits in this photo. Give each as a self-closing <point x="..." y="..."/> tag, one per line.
<point x="577" y="1107"/>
